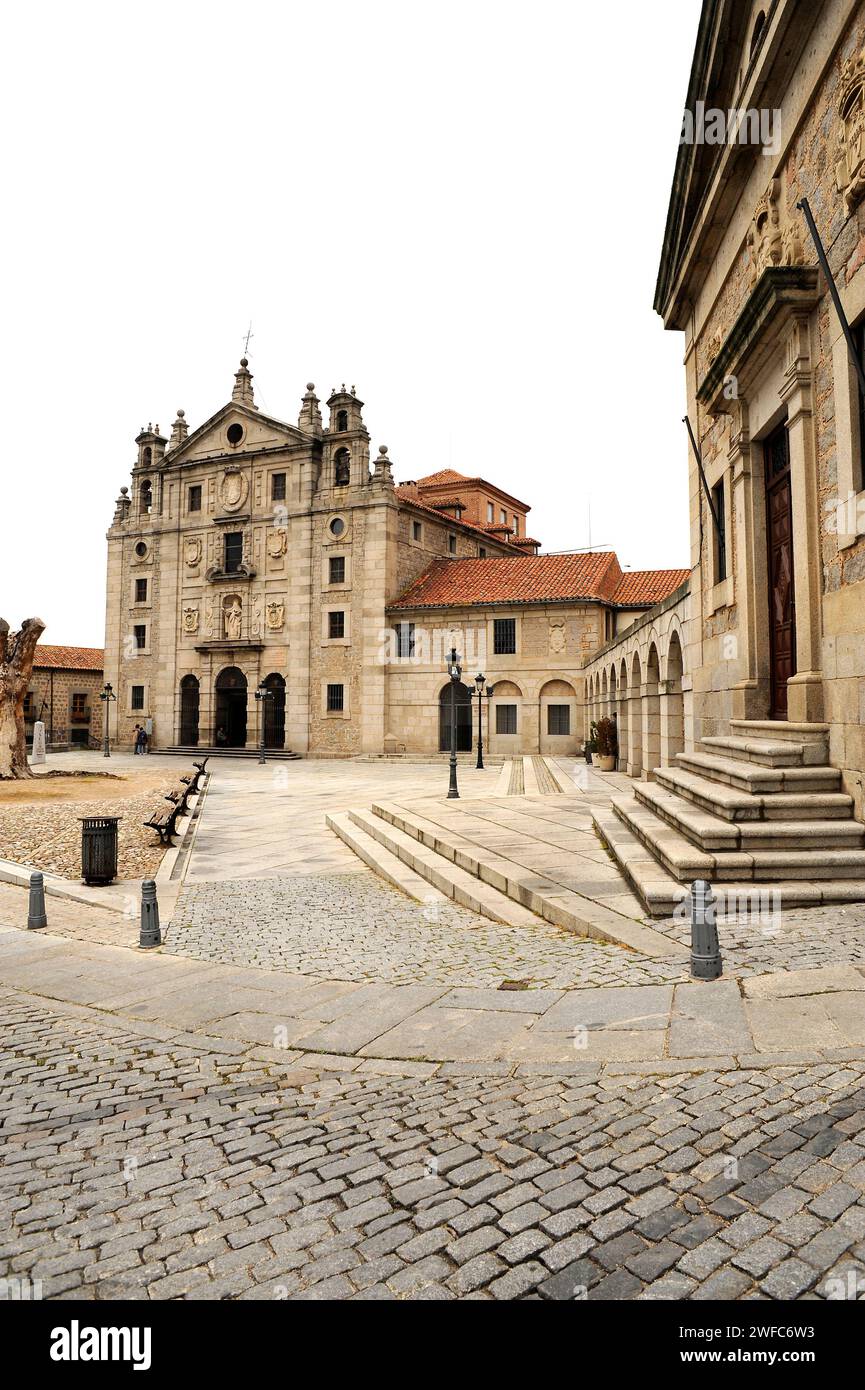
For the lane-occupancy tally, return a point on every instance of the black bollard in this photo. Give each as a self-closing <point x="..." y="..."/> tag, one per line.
<point x="705" y="949"/>
<point x="36" y="913"/>
<point x="150" y="934"/>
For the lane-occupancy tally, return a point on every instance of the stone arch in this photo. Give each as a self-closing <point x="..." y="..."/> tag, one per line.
<point x="673" y="729"/>
<point x="190" y="699"/>
<point x="558" y="716"/>
<point x="230" y="727"/>
<point x="652" y="712"/>
<point x="273" y="711"/>
<point x="455" y="707"/>
<point x="341" y="468"/>
<point x="635" y="718"/>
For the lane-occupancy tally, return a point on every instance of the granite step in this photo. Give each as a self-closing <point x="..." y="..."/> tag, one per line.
<point x="764" y="752"/>
<point x="712" y="832"/>
<point x="686" y="861"/>
<point x="662" y="893"/>
<point x="387" y="865"/>
<point x="736" y="805"/>
<point x="760" y="781"/>
<point x="780" y="729"/>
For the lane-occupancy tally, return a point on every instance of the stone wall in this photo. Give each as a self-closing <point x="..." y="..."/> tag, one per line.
<point x="51" y="700"/>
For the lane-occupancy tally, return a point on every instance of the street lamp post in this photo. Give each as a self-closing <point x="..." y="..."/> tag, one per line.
<point x="106" y="695"/>
<point x="489" y="694"/>
<point x="479" y="684"/>
<point x="455" y="672"/>
<point x="262" y="694"/>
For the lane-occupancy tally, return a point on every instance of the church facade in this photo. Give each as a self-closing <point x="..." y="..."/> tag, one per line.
<point x="251" y="557"/>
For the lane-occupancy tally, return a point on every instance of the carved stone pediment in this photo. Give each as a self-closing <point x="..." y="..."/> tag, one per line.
<point x="850" y="140"/>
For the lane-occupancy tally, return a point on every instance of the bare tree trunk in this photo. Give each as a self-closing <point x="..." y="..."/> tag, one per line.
<point x="17" y="650"/>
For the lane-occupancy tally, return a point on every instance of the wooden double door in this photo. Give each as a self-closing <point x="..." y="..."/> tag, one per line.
<point x="782" y="603"/>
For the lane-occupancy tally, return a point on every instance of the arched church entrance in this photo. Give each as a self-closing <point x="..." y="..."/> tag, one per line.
<point x="230" y="726"/>
<point x="463" y="697"/>
<point x="189" y="711"/>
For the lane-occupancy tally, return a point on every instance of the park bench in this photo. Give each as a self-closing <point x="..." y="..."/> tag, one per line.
<point x="164" y="822"/>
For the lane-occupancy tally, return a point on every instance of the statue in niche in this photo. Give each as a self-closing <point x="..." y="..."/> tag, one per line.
<point x="232" y="617"/>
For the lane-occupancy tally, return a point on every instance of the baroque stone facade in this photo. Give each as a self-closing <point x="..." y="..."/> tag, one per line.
<point x="253" y="554"/>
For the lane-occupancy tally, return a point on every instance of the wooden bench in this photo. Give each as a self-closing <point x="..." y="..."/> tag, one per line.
<point x="165" y="822"/>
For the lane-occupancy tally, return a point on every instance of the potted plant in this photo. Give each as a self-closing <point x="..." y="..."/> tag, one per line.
<point x="591" y="744"/>
<point x="607" y="745"/>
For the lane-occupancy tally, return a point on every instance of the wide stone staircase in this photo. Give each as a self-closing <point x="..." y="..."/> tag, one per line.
<point x="759" y="809"/>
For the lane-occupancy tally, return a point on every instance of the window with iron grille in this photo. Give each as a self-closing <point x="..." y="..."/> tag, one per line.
<point x="137" y="700"/>
<point x="139" y="631"/>
<point x="335" y="697"/>
<point x="233" y="551"/>
<point x="277" y="487"/>
<point x="195" y="497"/>
<point x="336" y="624"/>
<point x="506" y="719"/>
<point x="141" y="591"/>
<point x="504" y="636"/>
<point x="28" y="704"/>
<point x="405" y="639"/>
<point x="336" y="569"/>
<point x="558" y="719"/>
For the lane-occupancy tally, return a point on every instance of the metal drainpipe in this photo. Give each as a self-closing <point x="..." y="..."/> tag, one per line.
<point x="51" y="706"/>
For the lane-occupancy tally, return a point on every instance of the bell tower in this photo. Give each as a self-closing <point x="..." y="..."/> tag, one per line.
<point x="346" y="451"/>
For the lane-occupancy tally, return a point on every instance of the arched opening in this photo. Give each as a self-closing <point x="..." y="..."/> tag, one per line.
<point x="189" y="702"/>
<point x="341" y="468"/>
<point x="455" y="701"/>
<point x="674" y="723"/>
<point x="623" y="718"/>
<point x="505" y="723"/>
<point x="145" y="496"/>
<point x="230" y="728"/>
<point x="652" y="726"/>
<point x="341" y="421"/>
<point x="635" y="708"/>
<point x="274" y="711"/>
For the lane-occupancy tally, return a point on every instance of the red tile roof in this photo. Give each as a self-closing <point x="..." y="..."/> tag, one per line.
<point x="648" y="586"/>
<point x="69" y="658"/>
<point x="537" y="579"/>
<point x="407" y="492"/>
<point x="446" y="476"/>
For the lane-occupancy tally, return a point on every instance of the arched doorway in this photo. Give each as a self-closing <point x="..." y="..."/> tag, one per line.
<point x="230" y="727"/>
<point x="274" y="711"/>
<point x="674" y="732"/>
<point x="463" y="697"/>
<point x="189" y="699"/>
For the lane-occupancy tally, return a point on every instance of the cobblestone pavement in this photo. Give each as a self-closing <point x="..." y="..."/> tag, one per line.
<point x="139" y="1165"/>
<point x="356" y="927"/>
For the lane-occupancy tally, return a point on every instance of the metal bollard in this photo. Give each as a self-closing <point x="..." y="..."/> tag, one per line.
<point x="705" y="948"/>
<point x="150" y="934"/>
<point x="36" y="913"/>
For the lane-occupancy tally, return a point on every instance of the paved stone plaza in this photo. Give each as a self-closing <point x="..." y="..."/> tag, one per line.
<point x="239" y="1115"/>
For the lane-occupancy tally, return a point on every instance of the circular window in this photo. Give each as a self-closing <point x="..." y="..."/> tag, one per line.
<point x="235" y="433"/>
<point x="141" y="549"/>
<point x="337" y="526"/>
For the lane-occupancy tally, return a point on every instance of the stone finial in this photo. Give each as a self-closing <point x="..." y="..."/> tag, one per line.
<point x="383" y="467"/>
<point x="309" y="419"/>
<point x="179" y="430"/>
<point x="242" y="392"/>
<point x="122" y="505"/>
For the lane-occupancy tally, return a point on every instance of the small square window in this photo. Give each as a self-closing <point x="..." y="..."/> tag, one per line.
<point x="452" y="545"/>
<point x="558" y="719"/>
<point x="79" y="706"/>
<point x="336" y="624"/>
<point x="482" y="552"/>
<point x="336" y="697"/>
<point x="277" y="487"/>
<point x="504" y="636"/>
<point x="137" y="700"/>
<point x="416" y="531"/>
<point x="195" y="497"/>
<point x="140" y="633"/>
<point x="405" y="639"/>
<point x="506" y="719"/>
<point x="336" y="569"/>
<point x="141" y="591"/>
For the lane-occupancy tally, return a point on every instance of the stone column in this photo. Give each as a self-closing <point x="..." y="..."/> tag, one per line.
<point x="651" y="729"/>
<point x="805" y="689"/>
<point x="635" y="731"/>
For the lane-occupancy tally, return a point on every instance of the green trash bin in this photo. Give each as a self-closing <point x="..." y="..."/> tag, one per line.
<point x="99" y="848"/>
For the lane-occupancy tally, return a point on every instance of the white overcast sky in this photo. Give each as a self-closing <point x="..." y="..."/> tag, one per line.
<point x="457" y="207"/>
